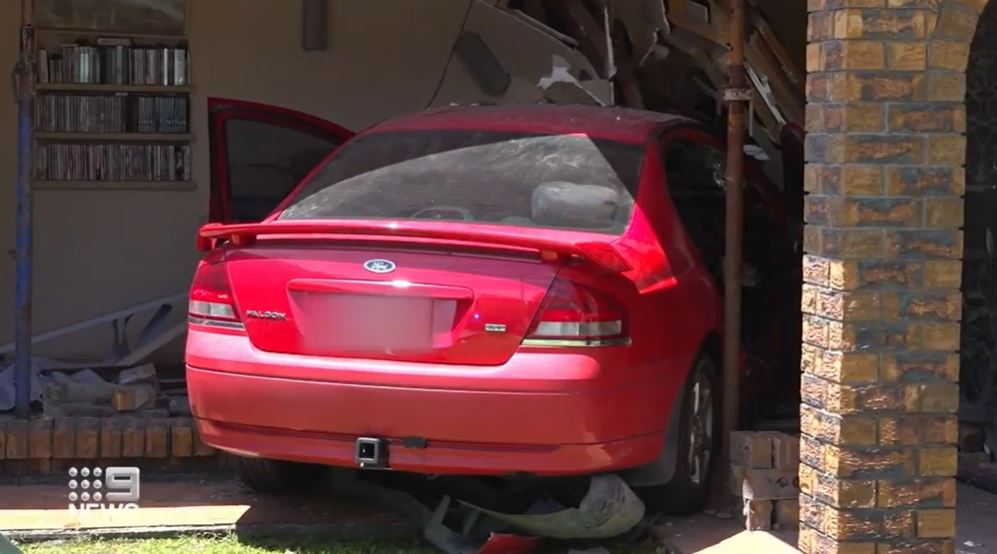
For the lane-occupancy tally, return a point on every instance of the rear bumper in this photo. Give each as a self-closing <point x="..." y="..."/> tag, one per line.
<point x="470" y="433"/>
<point x="437" y="457"/>
<point x="475" y="421"/>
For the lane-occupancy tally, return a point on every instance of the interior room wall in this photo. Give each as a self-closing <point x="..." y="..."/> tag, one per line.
<point x="101" y="251"/>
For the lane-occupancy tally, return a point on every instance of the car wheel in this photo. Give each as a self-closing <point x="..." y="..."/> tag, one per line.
<point x="276" y="476"/>
<point x="697" y="448"/>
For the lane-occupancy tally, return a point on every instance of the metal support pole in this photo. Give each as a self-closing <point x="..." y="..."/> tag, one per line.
<point x="24" y="82"/>
<point x="736" y="96"/>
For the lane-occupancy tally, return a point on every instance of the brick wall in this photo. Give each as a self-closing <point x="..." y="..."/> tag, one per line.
<point x="45" y="445"/>
<point x="886" y="119"/>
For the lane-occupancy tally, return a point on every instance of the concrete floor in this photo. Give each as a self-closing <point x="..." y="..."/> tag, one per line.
<point x="977" y="521"/>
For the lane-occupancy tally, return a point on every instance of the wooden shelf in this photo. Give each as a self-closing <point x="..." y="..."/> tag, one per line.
<point x="116" y="185"/>
<point x="109" y="34"/>
<point x="116" y="137"/>
<point x="97" y="87"/>
<point x="51" y="38"/>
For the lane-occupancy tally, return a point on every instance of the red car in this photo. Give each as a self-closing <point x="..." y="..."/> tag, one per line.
<point x="489" y="291"/>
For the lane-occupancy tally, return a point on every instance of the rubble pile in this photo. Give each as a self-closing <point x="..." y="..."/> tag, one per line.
<point x="586" y="511"/>
<point x="63" y="391"/>
<point x="764" y="474"/>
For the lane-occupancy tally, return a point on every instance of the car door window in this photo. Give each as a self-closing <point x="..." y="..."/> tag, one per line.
<point x="265" y="162"/>
<point x="695" y="175"/>
<point x="259" y="153"/>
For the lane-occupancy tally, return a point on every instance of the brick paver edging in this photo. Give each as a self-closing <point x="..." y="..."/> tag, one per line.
<point x="86" y="438"/>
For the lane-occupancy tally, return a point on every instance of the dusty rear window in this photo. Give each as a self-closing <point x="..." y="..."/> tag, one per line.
<point x="551" y="181"/>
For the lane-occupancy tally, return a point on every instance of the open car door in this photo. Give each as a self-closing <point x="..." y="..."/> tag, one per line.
<point x="259" y="153"/>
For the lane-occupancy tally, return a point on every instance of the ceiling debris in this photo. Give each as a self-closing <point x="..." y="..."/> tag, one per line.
<point x="561" y="87"/>
<point x="661" y="55"/>
<point x="522" y="46"/>
<point x="646" y="22"/>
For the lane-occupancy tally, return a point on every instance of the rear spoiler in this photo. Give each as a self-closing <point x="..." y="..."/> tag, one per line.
<point x="244" y="234"/>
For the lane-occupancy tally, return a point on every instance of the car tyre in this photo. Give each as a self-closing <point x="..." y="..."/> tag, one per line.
<point x="276" y="476"/>
<point x="697" y="449"/>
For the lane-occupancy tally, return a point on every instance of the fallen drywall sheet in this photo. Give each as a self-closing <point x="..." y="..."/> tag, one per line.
<point x="112" y="318"/>
<point x="609" y="509"/>
<point x="156" y="333"/>
<point x="561" y="87"/>
<point x="523" y="47"/>
<point x="38" y="381"/>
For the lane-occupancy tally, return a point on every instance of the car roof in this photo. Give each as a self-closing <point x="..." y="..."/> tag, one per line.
<point x="622" y="124"/>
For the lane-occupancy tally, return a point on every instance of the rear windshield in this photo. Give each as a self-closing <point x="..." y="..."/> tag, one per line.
<point x="551" y="181"/>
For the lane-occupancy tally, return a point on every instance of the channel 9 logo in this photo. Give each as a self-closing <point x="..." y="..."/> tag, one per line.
<point x="110" y="488"/>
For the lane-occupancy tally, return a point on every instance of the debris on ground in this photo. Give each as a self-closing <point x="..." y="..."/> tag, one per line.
<point x="607" y="509"/>
<point x="7" y="388"/>
<point x="62" y="389"/>
<point x="143" y="374"/>
<point x="66" y="390"/>
<point x="978" y="469"/>
<point x="179" y="405"/>
<point x="130" y="398"/>
<point x="160" y="328"/>
<point x="593" y="550"/>
<point x="765" y="475"/>
<point x="509" y="544"/>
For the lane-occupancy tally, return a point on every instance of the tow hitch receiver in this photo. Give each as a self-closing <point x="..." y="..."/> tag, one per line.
<point x="371" y="453"/>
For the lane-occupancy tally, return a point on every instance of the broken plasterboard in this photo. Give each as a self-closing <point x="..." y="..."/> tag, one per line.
<point x="609" y="509"/>
<point x="39" y="381"/>
<point x="523" y="48"/>
<point x="543" y="27"/>
<point x="561" y="87"/>
<point x="645" y="21"/>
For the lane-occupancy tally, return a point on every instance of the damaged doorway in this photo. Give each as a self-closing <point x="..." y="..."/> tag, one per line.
<point x="978" y="374"/>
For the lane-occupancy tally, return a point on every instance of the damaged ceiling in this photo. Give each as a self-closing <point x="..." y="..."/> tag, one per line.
<point x="662" y="55"/>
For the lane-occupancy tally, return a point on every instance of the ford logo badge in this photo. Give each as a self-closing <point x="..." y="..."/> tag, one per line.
<point x="379" y="266"/>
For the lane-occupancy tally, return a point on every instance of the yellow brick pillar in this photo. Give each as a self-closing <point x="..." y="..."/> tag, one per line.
<point x="881" y="301"/>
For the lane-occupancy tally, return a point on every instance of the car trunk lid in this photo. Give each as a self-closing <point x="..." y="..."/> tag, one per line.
<point x="436" y="306"/>
<point x="408" y="292"/>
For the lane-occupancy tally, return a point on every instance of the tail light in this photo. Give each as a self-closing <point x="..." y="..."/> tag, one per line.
<point x="573" y="314"/>
<point x="211" y="301"/>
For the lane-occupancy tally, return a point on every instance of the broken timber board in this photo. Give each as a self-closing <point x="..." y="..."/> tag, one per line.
<point x="584" y="27"/>
<point x="789" y="98"/>
<point x="145" y="350"/>
<point x="786" y="62"/>
<point x="715" y="30"/>
<point x="76" y="327"/>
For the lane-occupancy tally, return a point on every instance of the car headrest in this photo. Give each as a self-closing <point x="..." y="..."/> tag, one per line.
<point x="564" y="204"/>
